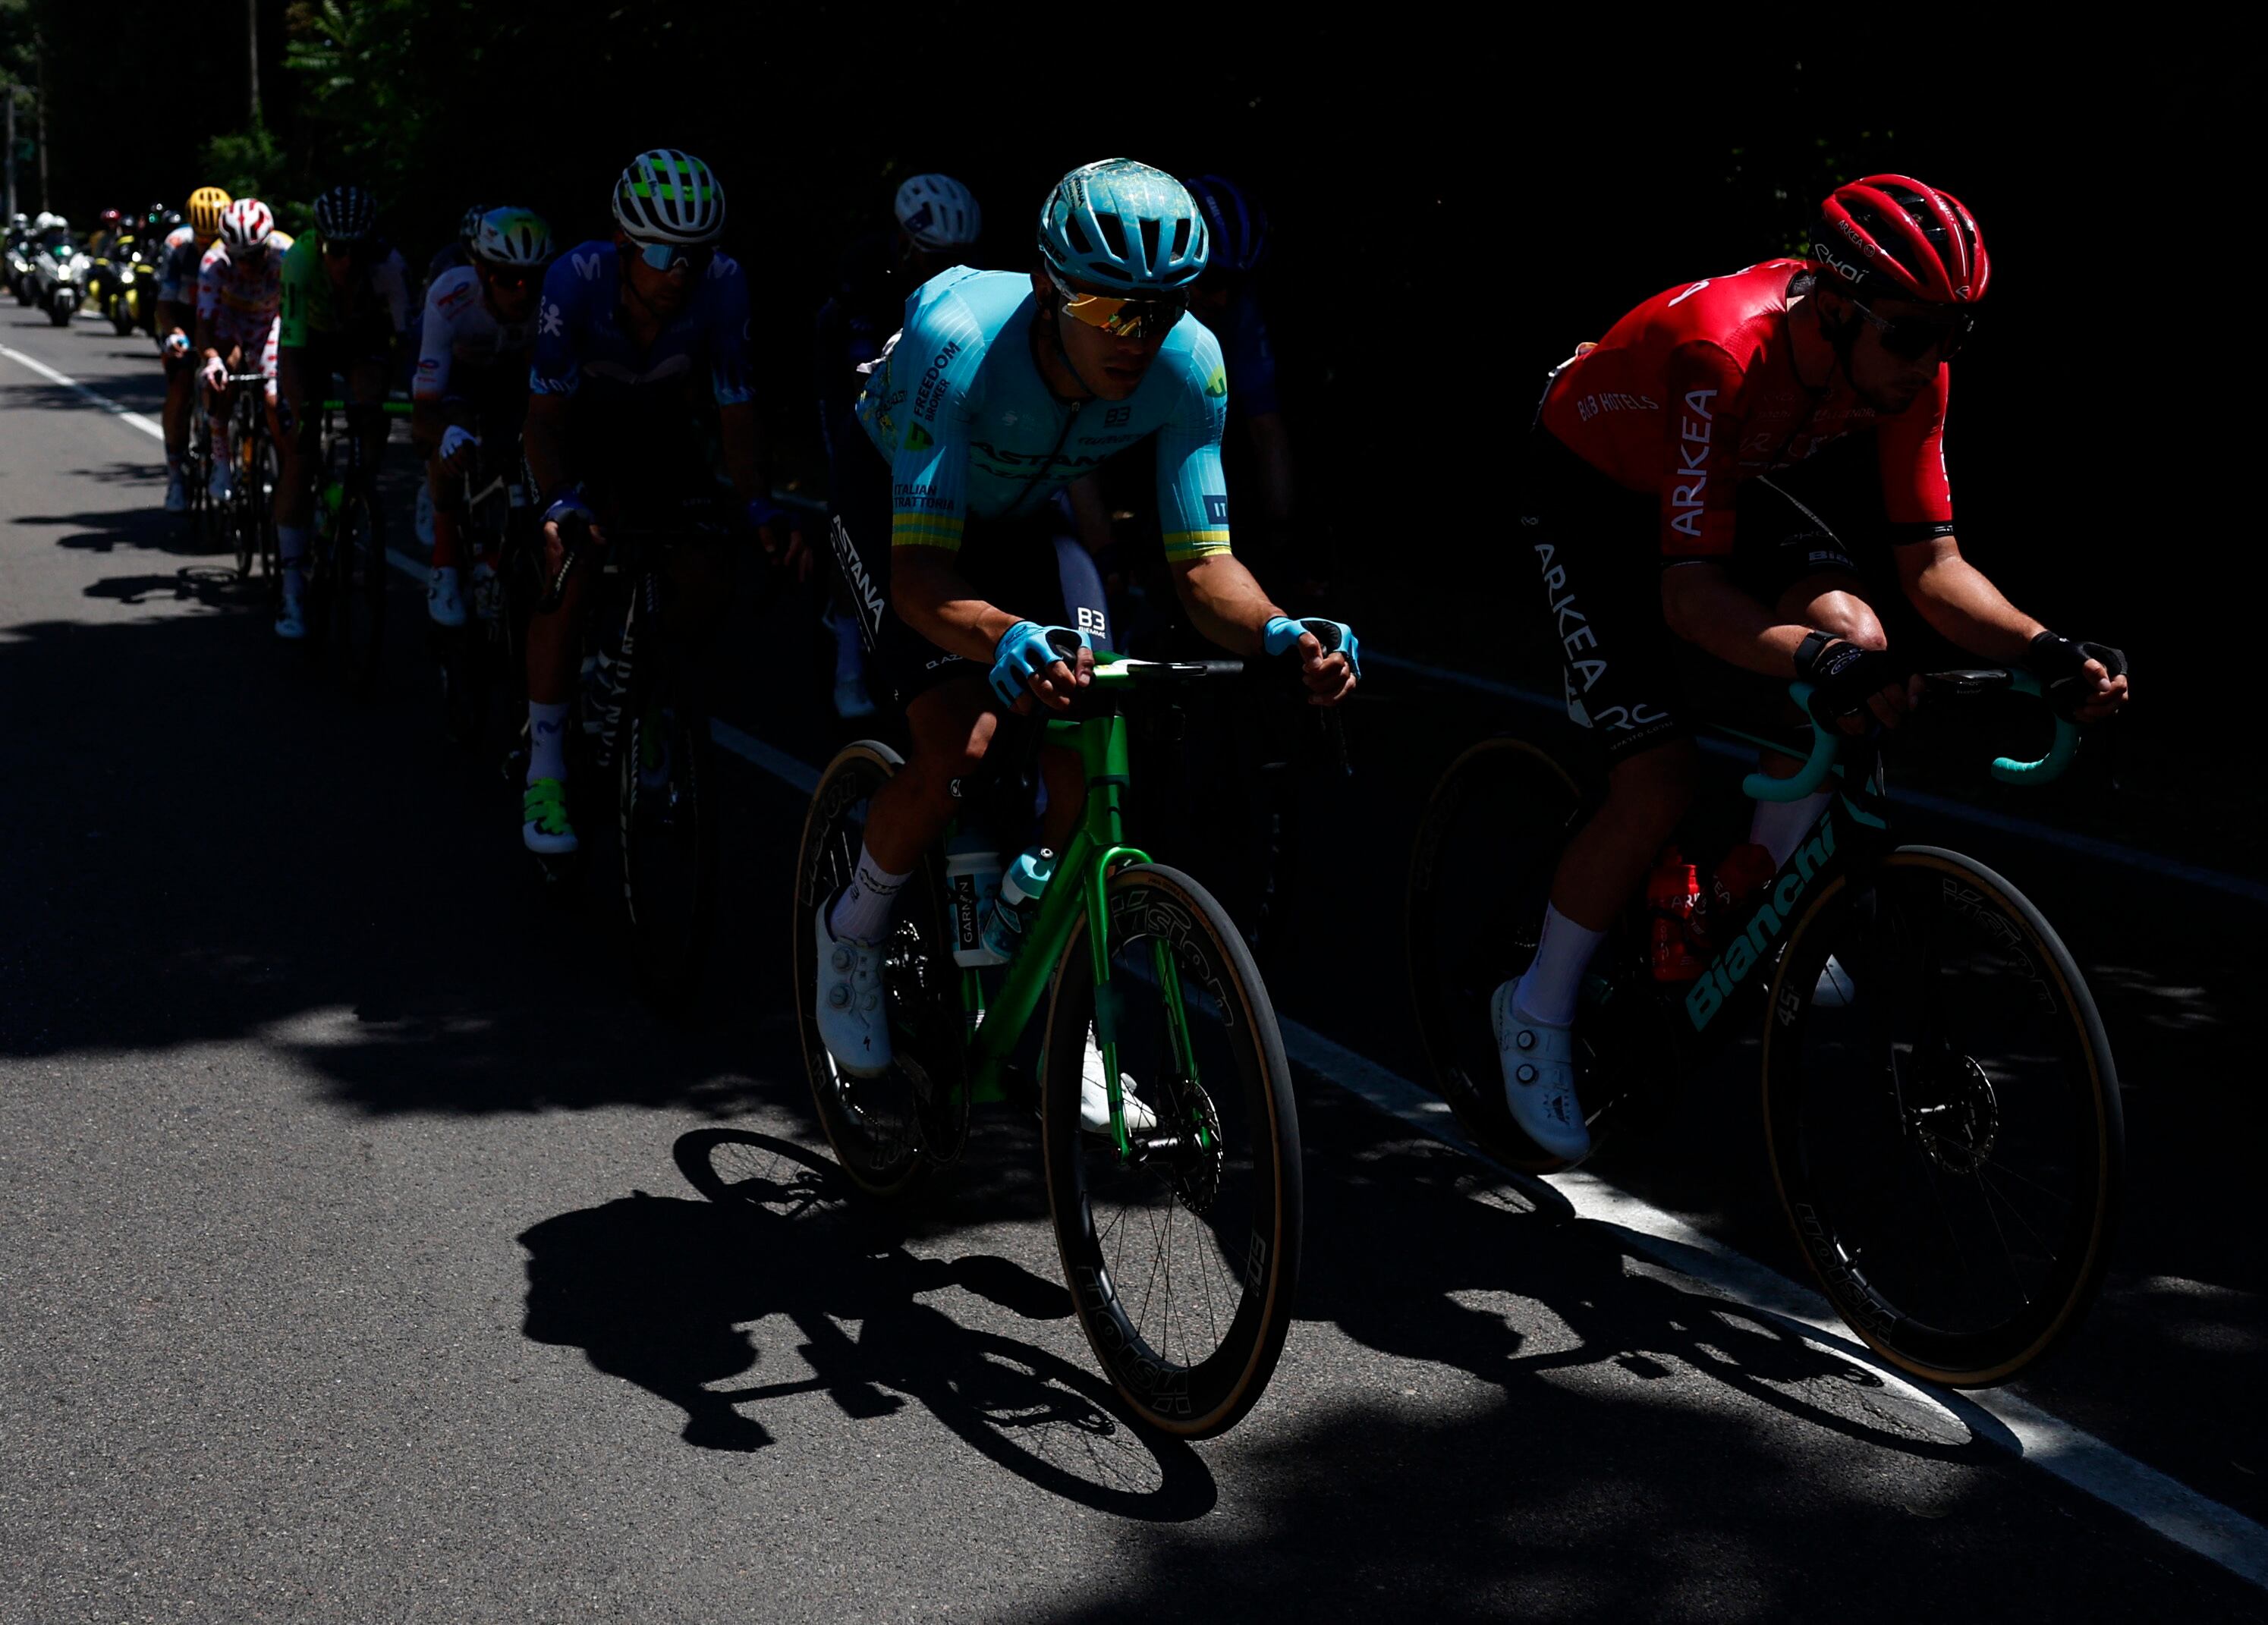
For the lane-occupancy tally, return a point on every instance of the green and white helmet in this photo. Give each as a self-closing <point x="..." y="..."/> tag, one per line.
<point x="668" y="196"/>
<point x="518" y="237"/>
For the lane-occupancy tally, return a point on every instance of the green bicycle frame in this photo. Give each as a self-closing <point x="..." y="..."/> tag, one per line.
<point x="1096" y="850"/>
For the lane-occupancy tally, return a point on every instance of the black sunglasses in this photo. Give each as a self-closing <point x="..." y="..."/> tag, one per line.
<point x="1910" y="338"/>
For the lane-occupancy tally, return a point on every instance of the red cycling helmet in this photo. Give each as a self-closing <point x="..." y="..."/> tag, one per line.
<point x="1891" y="236"/>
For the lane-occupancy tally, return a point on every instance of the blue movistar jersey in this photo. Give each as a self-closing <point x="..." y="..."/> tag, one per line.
<point x="972" y="431"/>
<point x="580" y="335"/>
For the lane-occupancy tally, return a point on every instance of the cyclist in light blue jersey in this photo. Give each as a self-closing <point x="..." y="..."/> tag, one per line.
<point x="1001" y="389"/>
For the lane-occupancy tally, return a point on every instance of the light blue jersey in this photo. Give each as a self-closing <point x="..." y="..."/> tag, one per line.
<point x="971" y="429"/>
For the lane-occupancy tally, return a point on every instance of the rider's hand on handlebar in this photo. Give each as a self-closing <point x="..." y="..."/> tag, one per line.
<point x="567" y="509"/>
<point x="1330" y="655"/>
<point x="2085" y="681"/>
<point x="771" y="522"/>
<point x="1046" y="664"/>
<point x="456" y="442"/>
<point x="1850" y="682"/>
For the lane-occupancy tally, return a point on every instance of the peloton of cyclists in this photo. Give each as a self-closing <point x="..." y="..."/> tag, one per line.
<point x="640" y="339"/>
<point x="1646" y="510"/>
<point x="239" y="286"/>
<point x="179" y="263"/>
<point x="474" y="344"/>
<point x="345" y="309"/>
<point x="1002" y="388"/>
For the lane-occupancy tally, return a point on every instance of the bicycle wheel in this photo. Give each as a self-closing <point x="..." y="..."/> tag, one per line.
<point x="1480" y="873"/>
<point x="666" y="795"/>
<point x="882" y="1128"/>
<point x="1182" y="1259"/>
<point x="358" y="591"/>
<point x="1943" y="1117"/>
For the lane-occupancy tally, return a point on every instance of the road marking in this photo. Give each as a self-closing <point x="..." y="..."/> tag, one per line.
<point x="136" y="419"/>
<point x="2152" y="1498"/>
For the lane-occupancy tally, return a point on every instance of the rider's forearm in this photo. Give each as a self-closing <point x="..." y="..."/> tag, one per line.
<point x="1965" y="608"/>
<point x="1225" y="603"/>
<point x="1712" y="615"/>
<point x="931" y="596"/>
<point x="741" y="438"/>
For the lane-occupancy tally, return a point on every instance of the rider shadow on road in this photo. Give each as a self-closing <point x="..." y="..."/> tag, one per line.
<point x="661" y="1292"/>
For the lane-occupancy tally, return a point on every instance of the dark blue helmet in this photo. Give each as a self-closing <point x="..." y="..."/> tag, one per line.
<point x="1239" y="225"/>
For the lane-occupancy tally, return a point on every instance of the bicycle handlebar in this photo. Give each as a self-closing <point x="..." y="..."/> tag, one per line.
<point x="2061" y="749"/>
<point x="1761" y="787"/>
<point x="2008" y="770"/>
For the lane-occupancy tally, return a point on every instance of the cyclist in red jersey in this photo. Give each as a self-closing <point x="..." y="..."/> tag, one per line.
<point x="1661" y="440"/>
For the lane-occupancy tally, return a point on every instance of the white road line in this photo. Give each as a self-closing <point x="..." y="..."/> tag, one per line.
<point x="2151" y="1497"/>
<point x="153" y="431"/>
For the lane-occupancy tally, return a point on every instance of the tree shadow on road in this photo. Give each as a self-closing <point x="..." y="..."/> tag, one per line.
<point x="671" y="1295"/>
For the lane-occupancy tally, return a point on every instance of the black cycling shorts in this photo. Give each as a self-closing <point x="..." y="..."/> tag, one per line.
<point x="1033" y="566"/>
<point x="1595" y="547"/>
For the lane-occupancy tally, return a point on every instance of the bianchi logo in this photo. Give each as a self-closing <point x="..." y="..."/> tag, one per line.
<point x="1754" y="947"/>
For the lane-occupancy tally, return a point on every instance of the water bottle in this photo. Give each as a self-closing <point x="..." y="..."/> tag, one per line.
<point x="1671" y="890"/>
<point x="1018" y="901"/>
<point x="972" y="880"/>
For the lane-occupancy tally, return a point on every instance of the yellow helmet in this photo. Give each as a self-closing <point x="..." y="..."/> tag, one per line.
<point x="205" y="204"/>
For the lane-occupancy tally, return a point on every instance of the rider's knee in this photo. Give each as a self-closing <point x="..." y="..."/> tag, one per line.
<point x="949" y="747"/>
<point x="1851" y="618"/>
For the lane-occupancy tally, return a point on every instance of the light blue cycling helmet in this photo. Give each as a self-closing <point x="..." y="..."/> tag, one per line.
<point x="1124" y="226"/>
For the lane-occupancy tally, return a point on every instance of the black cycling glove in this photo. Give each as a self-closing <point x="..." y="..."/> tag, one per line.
<point x="2060" y="664"/>
<point x="1842" y="675"/>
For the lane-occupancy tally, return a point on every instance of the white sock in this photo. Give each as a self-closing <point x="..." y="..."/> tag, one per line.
<point x="290" y="548"/>
<point x="1563" y="953"/>
<point x="862" y="914"/>
<point x="547" y="741"/>
<point x="1776" y="826"/>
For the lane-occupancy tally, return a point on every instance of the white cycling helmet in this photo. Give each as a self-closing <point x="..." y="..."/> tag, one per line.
<point x="668" y="196"/>
<point x="937" y="211"/>
<point x="245" y="226"/>
<point x="514" y="237"/>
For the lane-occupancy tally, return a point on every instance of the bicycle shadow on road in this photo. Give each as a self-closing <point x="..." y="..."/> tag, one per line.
<point x="672" y="1295"/>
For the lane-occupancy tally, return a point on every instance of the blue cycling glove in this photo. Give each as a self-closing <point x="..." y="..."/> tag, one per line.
<point x="1023" y="653"/>
<point x="1281" y="636"/>
<point x="569" y="503"/>
<point x="763" y="511"/>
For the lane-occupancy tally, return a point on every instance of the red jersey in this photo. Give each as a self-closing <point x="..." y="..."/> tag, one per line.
<point x="1695" y="390"/>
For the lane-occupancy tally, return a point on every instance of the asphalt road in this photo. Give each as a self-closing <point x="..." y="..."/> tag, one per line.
<point x="370" y="1255"/>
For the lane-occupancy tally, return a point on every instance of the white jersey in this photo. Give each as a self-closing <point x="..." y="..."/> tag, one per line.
<point x="462" y="330"/>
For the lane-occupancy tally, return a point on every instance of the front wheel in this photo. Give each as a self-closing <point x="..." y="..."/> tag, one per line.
<point x="1181" y="1253"/>
<point x="1942" y="1117"/>
<point x="122" y="317"/>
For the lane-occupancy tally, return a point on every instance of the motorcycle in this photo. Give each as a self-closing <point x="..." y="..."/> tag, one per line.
<point x="61" y="271"/>
<point x="128" y="296"/>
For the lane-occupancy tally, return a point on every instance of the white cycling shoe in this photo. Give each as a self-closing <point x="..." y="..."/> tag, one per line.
<point x="445" y="603"/>
<point x="1094" y="1096"/>
<point x="854" y="1022"/>
<point x="292" y="620"/>
<point x="1539" y="1077"/>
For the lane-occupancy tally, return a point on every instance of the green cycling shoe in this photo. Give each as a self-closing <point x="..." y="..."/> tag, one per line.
<point x="544" y="828"/>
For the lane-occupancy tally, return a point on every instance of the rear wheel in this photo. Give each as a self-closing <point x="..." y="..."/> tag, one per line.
<point x="1480" y="875"/>
<point x="1183" y="1255"/>
<point x="887" y="1132"/>
<point x="1943" y="1118"/>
